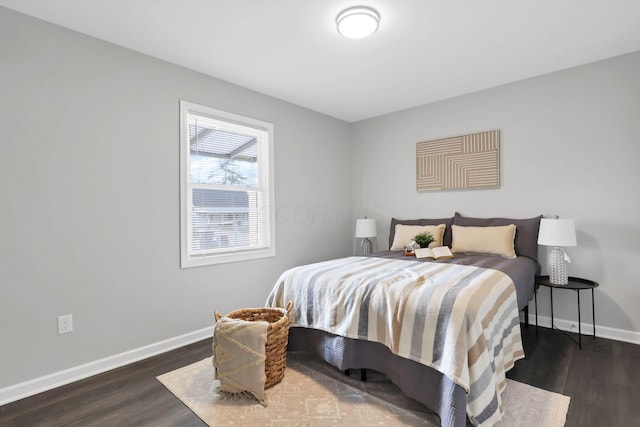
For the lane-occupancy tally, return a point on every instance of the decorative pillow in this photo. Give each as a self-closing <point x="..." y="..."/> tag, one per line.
<point x="446" y="240"/>
<point x="487" y="240"/>
<point x="405" y="233"/>
<point x="526" y="241"/>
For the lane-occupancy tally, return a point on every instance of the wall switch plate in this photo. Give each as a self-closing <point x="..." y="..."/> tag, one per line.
<point x="65" y="324"/>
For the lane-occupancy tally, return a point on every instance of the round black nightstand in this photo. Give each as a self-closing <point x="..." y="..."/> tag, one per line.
<point x="576" y="284"/>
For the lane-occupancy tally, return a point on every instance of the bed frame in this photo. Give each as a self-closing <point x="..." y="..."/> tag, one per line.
<point x="418" y="381"/>
<point x="425" y="385"/>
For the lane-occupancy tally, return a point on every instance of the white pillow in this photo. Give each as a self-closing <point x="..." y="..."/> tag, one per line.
<point x="405" y="233"/>
<point x="488" y="240"/>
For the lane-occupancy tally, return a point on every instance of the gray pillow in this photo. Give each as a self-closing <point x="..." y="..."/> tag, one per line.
<point x="446" y="239"/>
<point x="526" y="241"/>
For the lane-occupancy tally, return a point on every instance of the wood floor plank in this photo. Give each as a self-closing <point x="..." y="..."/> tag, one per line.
<point x="602" y="380"/>
<point x="592" y="377"/>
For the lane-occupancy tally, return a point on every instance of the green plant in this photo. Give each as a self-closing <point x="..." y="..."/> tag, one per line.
<point x="424" y="239"/>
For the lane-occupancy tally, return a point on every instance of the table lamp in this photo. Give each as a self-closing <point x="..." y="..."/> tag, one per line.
<point x="366" y="228"/>
<point x="556" y="233"/>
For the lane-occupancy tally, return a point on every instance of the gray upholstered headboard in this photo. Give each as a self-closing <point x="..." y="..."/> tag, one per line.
<point x="526" y="240"/>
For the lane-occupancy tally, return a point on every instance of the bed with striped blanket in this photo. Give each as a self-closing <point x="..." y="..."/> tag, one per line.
<point x="457" y="319"/>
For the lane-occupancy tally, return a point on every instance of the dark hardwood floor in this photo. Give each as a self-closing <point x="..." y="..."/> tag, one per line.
<point x="602" y="380"/>
<point x="127" y="396"/>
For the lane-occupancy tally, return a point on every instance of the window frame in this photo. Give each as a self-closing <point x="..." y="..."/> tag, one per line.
<point x="264" y="135"/>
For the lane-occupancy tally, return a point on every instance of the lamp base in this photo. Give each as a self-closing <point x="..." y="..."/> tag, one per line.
<point x="558" y="267"/>
<point x="366" y="246"/>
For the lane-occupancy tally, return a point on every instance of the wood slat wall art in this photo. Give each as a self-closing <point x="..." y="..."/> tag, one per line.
<point x="462" y="162"/>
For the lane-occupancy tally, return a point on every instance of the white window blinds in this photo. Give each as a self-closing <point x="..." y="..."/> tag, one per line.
<point x="226" y="187"/>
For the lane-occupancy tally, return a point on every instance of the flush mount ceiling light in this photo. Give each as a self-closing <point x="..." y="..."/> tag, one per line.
<point x="357" y="22"/>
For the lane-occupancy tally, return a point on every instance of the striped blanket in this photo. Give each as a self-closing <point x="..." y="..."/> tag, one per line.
<point x="460" y="320"/>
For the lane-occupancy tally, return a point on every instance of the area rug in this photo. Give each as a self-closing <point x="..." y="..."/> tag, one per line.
<point x="313" y="393"/>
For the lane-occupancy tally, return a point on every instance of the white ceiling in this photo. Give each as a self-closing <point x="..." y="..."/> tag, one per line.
<point x="424" y="51"/>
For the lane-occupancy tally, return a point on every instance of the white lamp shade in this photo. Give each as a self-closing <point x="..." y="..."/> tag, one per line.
<point x="366" y="228"/>
<point x="557" y="232"/>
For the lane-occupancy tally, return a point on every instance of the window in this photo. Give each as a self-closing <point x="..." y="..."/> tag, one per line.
<point x="226" y="187"/>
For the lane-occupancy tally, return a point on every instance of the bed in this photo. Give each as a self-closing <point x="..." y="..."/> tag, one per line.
<point x="445" y="332"/>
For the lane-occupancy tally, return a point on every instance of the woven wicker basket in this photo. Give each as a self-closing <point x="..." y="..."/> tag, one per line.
<point x="275" y="348"/>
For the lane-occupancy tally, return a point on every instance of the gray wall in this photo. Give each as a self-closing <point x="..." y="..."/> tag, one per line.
<point x="89" y="186"/>
<point x="569" y="146"/>
<point x="89" y="223"/>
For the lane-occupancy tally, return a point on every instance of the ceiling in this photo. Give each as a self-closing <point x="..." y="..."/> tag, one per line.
<point x="424" y="50"/>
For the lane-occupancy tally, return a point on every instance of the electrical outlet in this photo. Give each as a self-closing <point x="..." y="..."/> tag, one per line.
<point x="65" y="324"/>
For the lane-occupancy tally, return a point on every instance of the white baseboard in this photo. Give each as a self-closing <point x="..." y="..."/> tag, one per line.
<point x="57" y="379"/>
<point x="587" y="329"/>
